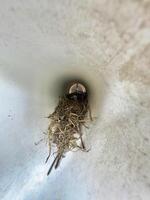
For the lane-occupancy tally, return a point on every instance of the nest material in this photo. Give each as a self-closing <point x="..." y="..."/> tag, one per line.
<point x="65" y="127"/>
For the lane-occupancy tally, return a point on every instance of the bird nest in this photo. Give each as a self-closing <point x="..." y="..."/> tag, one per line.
<point x="65" y="128"/>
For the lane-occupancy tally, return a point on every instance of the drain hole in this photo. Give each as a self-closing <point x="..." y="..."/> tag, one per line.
<point x="76" y="91"/>
<point x="77" y="87"/>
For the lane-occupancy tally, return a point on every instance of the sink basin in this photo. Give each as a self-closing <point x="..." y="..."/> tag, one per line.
<point x="107" y="45"/>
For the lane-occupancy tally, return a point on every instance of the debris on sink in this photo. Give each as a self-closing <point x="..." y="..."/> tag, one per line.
<point x="66" y="122"/>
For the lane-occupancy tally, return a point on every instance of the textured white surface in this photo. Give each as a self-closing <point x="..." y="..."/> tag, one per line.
<point x="107" y="43"/>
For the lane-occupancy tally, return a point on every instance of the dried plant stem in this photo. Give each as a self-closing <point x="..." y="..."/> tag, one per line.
<point x="65" y="128"/>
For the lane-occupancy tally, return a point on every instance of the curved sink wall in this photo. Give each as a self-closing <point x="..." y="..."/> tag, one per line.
<point x="107" y="45"/>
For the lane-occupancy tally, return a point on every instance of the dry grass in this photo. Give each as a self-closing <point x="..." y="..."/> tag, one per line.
<point x="64" y="131"/>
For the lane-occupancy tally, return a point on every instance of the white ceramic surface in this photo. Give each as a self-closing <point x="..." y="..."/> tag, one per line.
<point x="105" y="43"/>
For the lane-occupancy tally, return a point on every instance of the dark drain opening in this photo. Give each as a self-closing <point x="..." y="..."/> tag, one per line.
<point x="69" y="85"/>
<point x="77" y="87"/>
<point x="77" y="91"/>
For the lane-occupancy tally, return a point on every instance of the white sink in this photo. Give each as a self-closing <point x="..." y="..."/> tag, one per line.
<point x="107" y="45"/>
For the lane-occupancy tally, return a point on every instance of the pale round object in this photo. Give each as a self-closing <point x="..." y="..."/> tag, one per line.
<point x="77" y="87"/>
